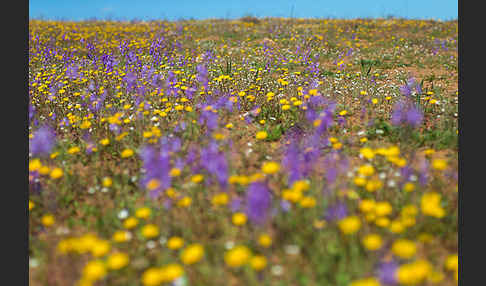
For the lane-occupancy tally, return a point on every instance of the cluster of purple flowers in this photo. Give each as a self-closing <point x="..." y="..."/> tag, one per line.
<point x="406" y="112"/>
<point x="258" y="202"/>
<point x="157" y="167"/>
<point x="43" y="141"/>
<point x="214" y="162"/>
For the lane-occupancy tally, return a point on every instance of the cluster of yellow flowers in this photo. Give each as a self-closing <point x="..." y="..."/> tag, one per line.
<point x="35" y="165"/>
<point x="296" y="195"/>
<point x="241" y="255"/>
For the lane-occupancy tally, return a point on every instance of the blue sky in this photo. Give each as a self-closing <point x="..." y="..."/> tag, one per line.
<point x="185" y="9"/>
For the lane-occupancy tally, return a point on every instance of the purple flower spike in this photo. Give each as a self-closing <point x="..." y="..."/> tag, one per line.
<point x="258" y="201"/>
<point x="43" y="141"/>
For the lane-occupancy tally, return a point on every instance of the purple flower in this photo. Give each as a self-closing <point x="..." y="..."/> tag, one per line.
<point x="387" y="273"/>
<point x="258" y="201"/>
<point x="43" y="141"/>
<point x="215" y="163"/>
<point x="414" y="117"/>
<point x="156" y="166"/>
<point x="285" y="205"/>
<point x="405" y="112"/>
<point x="405" y="90"/>
<point x="236" y="204"/>
<point x="208" y="117"/>
<point x="202" y="75"/>
<point x="336" y="212"/>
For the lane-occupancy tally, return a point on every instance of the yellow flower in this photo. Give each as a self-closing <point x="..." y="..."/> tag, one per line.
<point x="307" y="202"/>
<point x="66" y="245"/>
<point x="94" y="270"/>
<point x="430" y="205"/>
<point x="372" y="242"/>
<point x="47" y="220"/>
<point x="171" y="193"/>
<point x="382" y="221"/>
<point x="359" y="181"/>
<point x="152" y="277"/>
<point x="220" y="199"/>
<point x="121" y="236"/>
<point x="264" y="240"/>
<point x="367" y="205"/>
<point x="85" y="243"/>
<point x="368" y="153"/>
<point x="127" y="153"/>
<point x="413" y="273"/>
<point x="439" y="164"/>
<point x="373" y="185"/>
<point x="100" y="248"/>
<point x="143" y="212"/>
<point x="337" y="145"/>
<point x="452" y="262"/>
<point x="192" y="254"/>
<point x="107" y="182"/>
<point x="73" y="150"/>
<point x="171" y="272"/>
<point x="404" y="248"/>
<point x="261" y="135"/>
<point x="237" y="256"/>
<point x="409" y="187"/>
<point x="153" y="184"/>
<point x="370" y="217"/>
<point x="397" y="226"/>
<point x="239" y="218"/>
<point x="270" y="167"/>
<point x="174" y="172"/>
<point x="258" y="262"/>
<point x="130" y="223"/>
<point x="44" y="170"/>
<point x="383" y="208"/>
<point x="197" y="178"/>
<point x="409" y="210"/>
<point x="56" y="173"/>
<point x="291" y="195"/>
<point x="150" y="231"/>
<point x="31" y="205"/>
<point x="301" y="186"/>
<point x="366" y="282"/>
<point x="117" y="261"/>
<point x="105" y="141"/>
<point x="184" y="202"/>
<point x="366" y="170"/>
<point x="349" y="225"/>
<point x="175" y="243"/>
<point x="34" y="165"/>
<point x="343" y="112"/>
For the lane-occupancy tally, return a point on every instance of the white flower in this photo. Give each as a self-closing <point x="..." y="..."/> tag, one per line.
<point x="123" y="214"/>
<point x="292" y="249"/>
<point x="277" y="270"/>
<point x="229" y="245"/>
<point x="150" y="244"/>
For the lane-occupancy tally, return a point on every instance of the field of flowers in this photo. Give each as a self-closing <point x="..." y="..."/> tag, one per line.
<point x="243" y="152"/>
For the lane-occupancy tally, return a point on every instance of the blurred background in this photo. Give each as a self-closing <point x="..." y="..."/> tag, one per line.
<point x="230" y="9"/>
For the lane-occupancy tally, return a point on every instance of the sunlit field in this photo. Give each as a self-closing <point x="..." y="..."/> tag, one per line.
<point x="243" y="152"/>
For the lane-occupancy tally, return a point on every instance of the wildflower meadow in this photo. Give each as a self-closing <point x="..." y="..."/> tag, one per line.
<point x="256" y="151"/>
